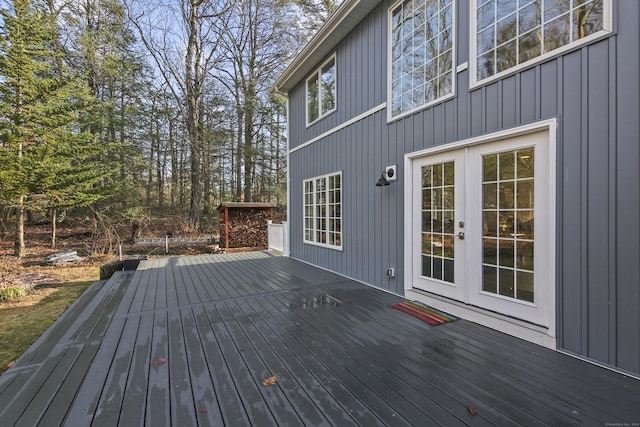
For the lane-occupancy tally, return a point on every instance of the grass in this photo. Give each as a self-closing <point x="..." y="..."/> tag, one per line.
<point x="23" y="320"/>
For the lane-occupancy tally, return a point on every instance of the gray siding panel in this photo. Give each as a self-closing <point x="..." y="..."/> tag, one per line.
<point x="593" y="91"/>
<point x="628" y="190"/>
<point x="597" y="200"/>
<point x="571" y="224"/>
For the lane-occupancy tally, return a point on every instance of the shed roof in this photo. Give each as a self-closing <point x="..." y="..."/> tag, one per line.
<point x="339" y="24"/>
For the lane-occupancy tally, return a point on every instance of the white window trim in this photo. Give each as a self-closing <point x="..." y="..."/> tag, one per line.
<point x="313" y="179"/>
<point x="318" y="73"/>
<point x="454" y="36"/>
<point x="607" y="24"/>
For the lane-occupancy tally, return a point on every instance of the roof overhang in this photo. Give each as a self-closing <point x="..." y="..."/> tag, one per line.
<point x="340" y="23"/>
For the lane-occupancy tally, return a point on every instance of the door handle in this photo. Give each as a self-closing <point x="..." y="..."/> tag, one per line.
<point x="460" y="235"/>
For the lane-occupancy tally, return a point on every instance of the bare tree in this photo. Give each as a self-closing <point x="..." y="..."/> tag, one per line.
<point x="197" y="34"/>
<point x="258" y="41"/>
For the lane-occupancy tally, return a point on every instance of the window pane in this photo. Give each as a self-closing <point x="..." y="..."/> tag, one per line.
<point x="490" y="223"/>
<point x="449" y="267"/>
<point x="426" y="221"/>
<point x="506" y="56"/>
<point x="530" y="46"/>
<point x="426" y="266"/>
<point x="421" y="53"/>
<point x="312" y="99"/>
<point x="555" y="8"/>
<point x="587" y="19"/>
<point x="506" y="29"/>
<point x="449" y="174"/>
<point x="505" y="253"/>
<point x="489" y="279"/>
<point x="525" y="286"/>
<point x="489" y="196"/>
<point x="486" y="40"/>
<point x="525" y="163"/>
<point x="530" y="17"/>
<point x="506" y="225"/>
<point x="486" y="65"/>
<point x="506" y="7"/>
<point x="524" y="255"/>
<point x="557" y="33"/>
<point x="525" y="224"/>
<point x="506" y="195"/>
<point x="506" y="282"/>
<point x="507" y="165"/>
<point x="490" y="251"/>
<point x="328" y="91"/>
<point x="511" y="32"/>
<point x="525" y="194"/>
<point x="486" y="14"/>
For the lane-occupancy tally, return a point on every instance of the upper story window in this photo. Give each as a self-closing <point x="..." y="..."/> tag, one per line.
<point x="513" y="32"/>
<point x="321" y="91"/>
<point x="323" y="210"/>
<point x="421" y="54"/>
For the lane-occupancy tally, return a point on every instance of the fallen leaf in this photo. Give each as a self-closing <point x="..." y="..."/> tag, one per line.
<point x="203" y="410"/>
<point x="270" y="381"/>
<point x="8" y="365"/>
<point x="472" y="410"/>
<point x="158" y="362"/>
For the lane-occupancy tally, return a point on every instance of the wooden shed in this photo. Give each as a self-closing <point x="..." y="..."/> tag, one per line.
<point x="244" y="224"/>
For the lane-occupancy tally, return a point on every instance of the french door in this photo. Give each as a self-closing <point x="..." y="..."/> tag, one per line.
<point x="481" y="233"/>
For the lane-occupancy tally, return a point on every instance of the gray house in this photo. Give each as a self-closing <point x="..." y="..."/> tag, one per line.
<point x="480" y="156"/>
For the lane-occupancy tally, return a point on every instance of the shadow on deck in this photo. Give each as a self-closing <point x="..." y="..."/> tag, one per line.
<point x="189" y="341"/>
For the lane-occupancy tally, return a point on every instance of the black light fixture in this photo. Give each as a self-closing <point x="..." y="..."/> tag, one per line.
<point x="387" y="176"/>
<point x="382" y="181"/>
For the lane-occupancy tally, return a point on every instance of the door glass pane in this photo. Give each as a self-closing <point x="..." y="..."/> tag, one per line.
<point x="508" y="224"/>
<point x="438" y="213"/>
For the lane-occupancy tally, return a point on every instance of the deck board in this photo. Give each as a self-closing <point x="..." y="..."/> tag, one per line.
<point x="157" y="411"/>
<point x="188" y="341"/>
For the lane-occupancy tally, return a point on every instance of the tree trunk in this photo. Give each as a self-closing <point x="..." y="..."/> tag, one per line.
<point x="54" y="220"/>
<point x="192" y="62"/>
<point x="4" y="217"/>
<point x="248" y="150"/>
<point x="161" y="160"/>
<point x="239" y="155"/>
<point x="152" y="152"/>
<point x="19" y="247"/>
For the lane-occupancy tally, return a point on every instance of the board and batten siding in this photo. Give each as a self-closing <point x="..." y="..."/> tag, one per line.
<point x="592" y="91"/>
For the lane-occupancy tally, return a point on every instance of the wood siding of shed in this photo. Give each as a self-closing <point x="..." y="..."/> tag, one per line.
<point x="593" y="92"/>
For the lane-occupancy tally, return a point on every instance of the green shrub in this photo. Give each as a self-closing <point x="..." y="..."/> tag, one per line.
<point x="10" y="294"/>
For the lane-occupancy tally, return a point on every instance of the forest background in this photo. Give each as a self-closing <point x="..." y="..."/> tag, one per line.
<point x="133" y="111"/>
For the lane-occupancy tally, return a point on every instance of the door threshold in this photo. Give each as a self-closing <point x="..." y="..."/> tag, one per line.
<point x="520" y="329"/>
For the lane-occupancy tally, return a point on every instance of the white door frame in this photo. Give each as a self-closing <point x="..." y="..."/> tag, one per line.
<point x="538" y="334"/>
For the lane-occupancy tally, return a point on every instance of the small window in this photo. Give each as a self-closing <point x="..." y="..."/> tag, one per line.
<point x="510" y="32"/>
<point x="323" y="210"/>
<point x="421" y="54"/>
<point x="321" y="91"/>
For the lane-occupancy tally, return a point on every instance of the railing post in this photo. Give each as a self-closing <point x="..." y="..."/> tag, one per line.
<point x="285" y="239"/>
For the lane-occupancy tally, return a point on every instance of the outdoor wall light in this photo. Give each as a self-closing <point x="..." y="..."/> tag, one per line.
<point x="387" y="176"/>
<point x="382" y="181"/>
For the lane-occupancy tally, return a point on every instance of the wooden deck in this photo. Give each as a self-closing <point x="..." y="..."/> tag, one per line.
<point x="189" y="341"/>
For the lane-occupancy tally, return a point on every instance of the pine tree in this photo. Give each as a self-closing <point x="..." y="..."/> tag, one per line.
<point x="45" y="155"/>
